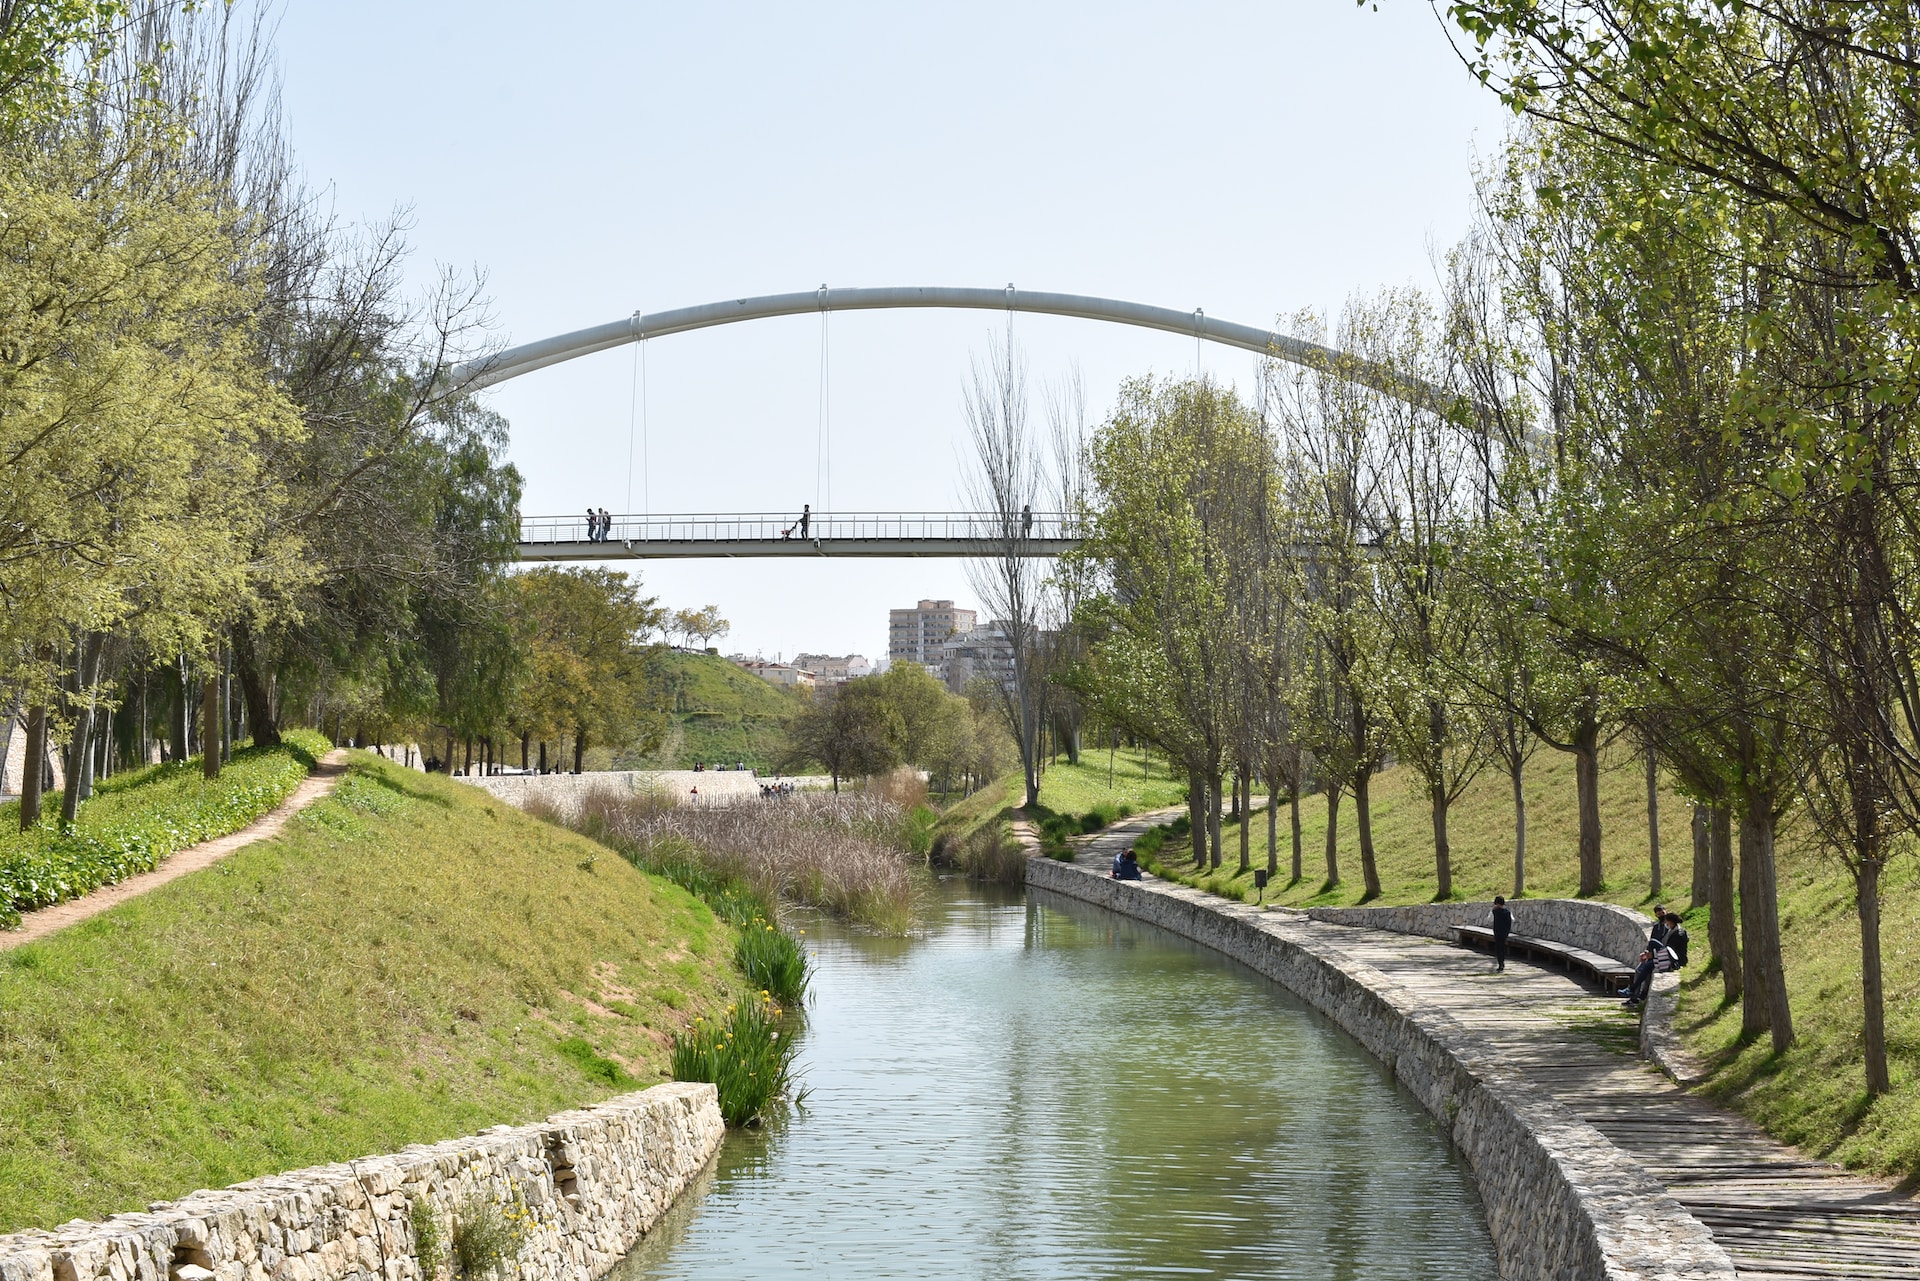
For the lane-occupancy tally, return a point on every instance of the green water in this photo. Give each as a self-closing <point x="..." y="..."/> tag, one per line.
<point x="1037" y="1088"/>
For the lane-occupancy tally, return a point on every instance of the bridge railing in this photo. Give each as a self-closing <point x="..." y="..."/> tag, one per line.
<point x="822" y="526"/>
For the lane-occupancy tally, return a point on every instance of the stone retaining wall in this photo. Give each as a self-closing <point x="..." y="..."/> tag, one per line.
<point x="587" y="1184"/>
<point x="1611" y="931"/>
<point x="1561" y="1201"/>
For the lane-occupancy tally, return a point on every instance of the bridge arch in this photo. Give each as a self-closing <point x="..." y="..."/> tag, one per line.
<point x="527" y="357"/>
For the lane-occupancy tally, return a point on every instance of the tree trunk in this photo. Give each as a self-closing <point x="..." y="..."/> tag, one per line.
<point x="33" y="768"/>
<point x="262" y="716"/>
<point x="177" y="714"/>
<point x="1723" y="934"/>
<point x="1653" y="819"/>
<point x="1363" y="816"/>
<point x="1764" y="973"/>
<point x="580" y="755"/>
<point x="1333" y="836"/>
<point x="1213" y="822"/>
<point x="1516" y="770"/>
<point x="1586" y="772"/>
<point x="543" y="756"/>
<point x="210" y="722"/>
<point x="6" y="738"/>
<point x="1197" y="817"/>
<point x="523" y="752"/>
<point x="1866" y="893"/>
<point x="1442" y="849"/>
<point x="1273" y="831"/>
<point x="1293" y="806"/>
<point x="1246" y="819"/>
<point x="1702" y="857"/>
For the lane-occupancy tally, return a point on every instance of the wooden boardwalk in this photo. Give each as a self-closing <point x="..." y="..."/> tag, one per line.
<point x="1780" y="1215"/>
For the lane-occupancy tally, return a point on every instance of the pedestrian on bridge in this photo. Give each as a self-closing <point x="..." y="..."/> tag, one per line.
<point x="806" y="518"/>
<point x="593" y="526"/>
<point x="606" y="525"/>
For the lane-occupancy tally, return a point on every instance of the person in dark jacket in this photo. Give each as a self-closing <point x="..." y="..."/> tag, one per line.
<point x="1676" y="939"/>
<point x="1125" y="866"/>
<point x="1502" y="927"/>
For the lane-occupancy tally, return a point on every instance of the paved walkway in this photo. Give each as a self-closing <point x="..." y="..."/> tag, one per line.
<point x="1780" y="1215"/>
<point x="45" y="921"/>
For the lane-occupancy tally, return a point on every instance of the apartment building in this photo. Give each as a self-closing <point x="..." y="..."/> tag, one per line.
<point x="979" y="651"/>
<point x="919" y="635"/>
<point x="830" y="669"/>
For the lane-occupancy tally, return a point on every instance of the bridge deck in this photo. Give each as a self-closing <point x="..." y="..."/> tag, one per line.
<point x="773" y="534"/>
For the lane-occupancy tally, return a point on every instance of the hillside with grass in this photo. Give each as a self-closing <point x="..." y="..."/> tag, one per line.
<point x="717" y="714"/>
<point x="1815" y="1095"/>
<point x="410" y="961"/>
<point x="1096" y="791"/>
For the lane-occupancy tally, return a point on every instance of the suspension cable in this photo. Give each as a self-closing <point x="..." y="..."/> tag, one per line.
<point x="823" y="456"/>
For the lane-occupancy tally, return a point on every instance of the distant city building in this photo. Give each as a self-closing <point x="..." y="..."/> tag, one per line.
<point x="828" y="669"/>
<point x="785" y="675"/>
<point x="920" y="635"/>
<point x="979" y="651"/>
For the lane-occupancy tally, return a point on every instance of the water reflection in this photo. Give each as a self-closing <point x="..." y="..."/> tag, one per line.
<point x="1041" y="1089"/>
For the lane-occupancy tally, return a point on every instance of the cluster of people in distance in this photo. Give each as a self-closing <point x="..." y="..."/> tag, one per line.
<point x="599" y="525"/>
<point x="779" y="787"/>
<point x="701" y="767"/>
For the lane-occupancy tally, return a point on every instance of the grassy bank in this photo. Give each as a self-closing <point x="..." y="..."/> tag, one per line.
<point x="1072" y="790"/>
<point x="1815" y="1095"/>
<point x="411" y="961"/>
<point x="136" y="819"/>
<point x="719" y="713"/>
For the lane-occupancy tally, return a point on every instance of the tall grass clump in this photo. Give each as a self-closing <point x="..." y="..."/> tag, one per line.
<point x="747" y="1056"/>
<point x="846" y="854"/>
<point x="990" y="853"/>
<point x="773" y="961"/>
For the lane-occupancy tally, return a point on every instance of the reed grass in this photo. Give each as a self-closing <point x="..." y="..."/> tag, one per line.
<point x="845" y="854"/>
<point x="748" y="1057"/>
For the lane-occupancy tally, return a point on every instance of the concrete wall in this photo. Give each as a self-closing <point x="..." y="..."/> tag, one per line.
<point x="1561" y="1201"/>
<point x="1612" y="931"/>
<point x="592" y="1182"/>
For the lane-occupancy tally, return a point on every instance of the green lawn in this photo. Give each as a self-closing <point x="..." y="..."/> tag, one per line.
<point x="409" y="962"/>
<point x="720" y="714"/>
<point x="138" y="818"/>
<point x="1134" y="780"/>
<point x="1815" y="1095"/>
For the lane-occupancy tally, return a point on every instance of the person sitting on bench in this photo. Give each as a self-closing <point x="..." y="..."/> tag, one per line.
<point x="1657" y="959"/>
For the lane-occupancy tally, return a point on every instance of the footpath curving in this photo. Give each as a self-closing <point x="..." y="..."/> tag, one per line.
<point x="585" y="1185"/>
<point x="1589" y="1163"/>
<point x="41" y="922"/>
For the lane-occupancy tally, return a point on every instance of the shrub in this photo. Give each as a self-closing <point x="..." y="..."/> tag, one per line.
<point x="918" y="829"/>
<point x="773" y="961"/>
<point x="485" y="1236"/>
<point x="426" y="1236"/>
<point x="136" y="820"/>
<point x="747" y="1057"/>
<point x="991" y="854"/>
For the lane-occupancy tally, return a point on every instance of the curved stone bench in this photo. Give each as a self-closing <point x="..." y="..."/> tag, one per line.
<point x="1561" y="1201"/>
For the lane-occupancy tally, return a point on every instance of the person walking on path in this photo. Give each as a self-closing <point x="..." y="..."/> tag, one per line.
<point x="806" y="518"/>
<point x="593" y="526"/>
<point x="1502" y="926"/>
<point x="606" y="524"/>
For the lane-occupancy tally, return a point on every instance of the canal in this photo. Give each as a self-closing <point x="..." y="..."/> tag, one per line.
<point x="1035" y="1088"/>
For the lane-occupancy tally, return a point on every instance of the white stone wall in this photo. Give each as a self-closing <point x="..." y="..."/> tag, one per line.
<point x="592" y="1182"/>
<point x="1561" y="1201"/>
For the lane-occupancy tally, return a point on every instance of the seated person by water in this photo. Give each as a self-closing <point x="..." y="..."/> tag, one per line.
<point x="1125" y="866"/>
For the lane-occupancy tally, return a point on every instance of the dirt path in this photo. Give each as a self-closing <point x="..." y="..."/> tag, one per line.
<point x="38" y="924"/>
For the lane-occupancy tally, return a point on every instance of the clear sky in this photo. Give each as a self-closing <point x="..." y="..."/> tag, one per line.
<point x="597" y="158"/>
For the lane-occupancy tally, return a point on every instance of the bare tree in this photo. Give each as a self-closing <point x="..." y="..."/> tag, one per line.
<point x="1009" y="582"/>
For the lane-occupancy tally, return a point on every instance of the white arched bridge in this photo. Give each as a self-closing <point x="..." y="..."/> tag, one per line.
<point x="867" y="533"/>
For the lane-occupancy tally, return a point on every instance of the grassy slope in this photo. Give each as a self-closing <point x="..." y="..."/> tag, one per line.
<point x="1071" y="789"/>
<point x="722" y="714"/>
<point x="1815" y="1095"/>
<point x="401" y="966"/>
